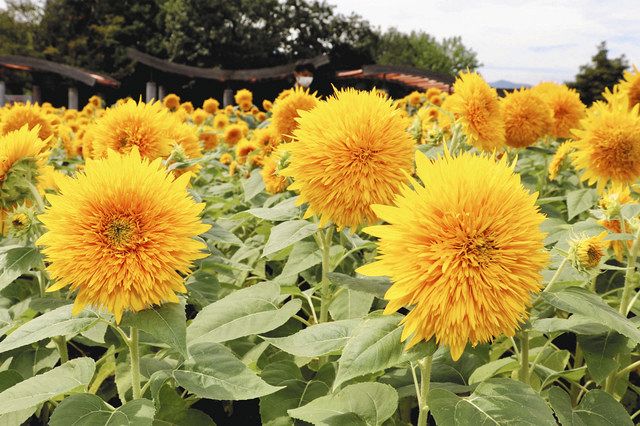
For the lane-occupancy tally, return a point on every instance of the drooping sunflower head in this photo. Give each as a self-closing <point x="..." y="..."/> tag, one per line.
<point x="566" y="105"/>
<point x="608" y="145"/>
<point x="526" y="117"/>
<point x="350" y="151"/>
<point x="31" y="115"/>
<point x="464" y="249"/>
<point x="586" y="253"/>
<point x="146" y="126"/>
<point x="211" y="105"/>
<point x="121" y="234"/>
<point x="476" y="105"/>
<point x="286" y="111"/>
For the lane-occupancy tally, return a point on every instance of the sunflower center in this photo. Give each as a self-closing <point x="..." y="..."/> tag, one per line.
<point x="477" y="249"/>
<point x="363" y="155"/>
<point x="119" y="232"/>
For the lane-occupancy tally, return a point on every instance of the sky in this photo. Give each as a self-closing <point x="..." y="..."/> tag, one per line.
<point x="518" y="41"/>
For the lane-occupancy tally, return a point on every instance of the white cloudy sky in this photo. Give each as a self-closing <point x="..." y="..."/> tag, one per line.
<point x="520" y="41"/>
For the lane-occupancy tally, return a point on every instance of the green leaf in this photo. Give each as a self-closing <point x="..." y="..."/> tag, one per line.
<point x="600" y="353"/>
<point x="577" y="300"/>
<point x="17" y="261"/>
<point x="71" y="376"/>
<point x="577" y="324"/>
<point x="286" y="210"/>
<point x="597" y="408"/>
<point x="252" y="310"/>
<point x="252" y="186"/>
<point x="494" y="402"/>
<point x="212" y="371"/>
<point x="370" y="403"/>
<point x="376" y="286"/>
<point x="287" y="233"/>
<point x="493" y="368"/>
<point x="350" y="304"/>
<point x="166" y="323"/>
<point x="9" y="378"/>
<point x="172" y="409"/>
<point x="90" y="410"/>
<point x="220" y="235"/>
<point x="316" y="340"/>
<point x="58" y="322"/>
<point x="304" y="255"/>
<point x="580" y="200"/>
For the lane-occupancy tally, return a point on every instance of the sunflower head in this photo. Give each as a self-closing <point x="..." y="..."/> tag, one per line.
<point x="186" y="144"/>
<point x="95" y="101"/>
<point x="566" y="105"/>
<point x="31" y="115"/>
<point x="220" y="121"/>
<point x="476" y="105"/>
<point x="414" y="98"/>
<point x="211" y="105"/>
<point x="209" y="138"/>
<point x="20" y="222"/>
<point x="266" y="139"/>
<point x="586" y="253"/>
<point x="348" y="152"/>
<point x="558" y="159"/>
<point x="233" y="133"/>
<point x="121" y="234"/>
<point x="226" y="158"/>
<point x="526" y="118"/>
<point x="243" y="97"/>
<point x="630" y="86"/>
<point x="171" y="101"/>
<point x="244" y="148"/>
<point x="273" y="182"/>
<point x="464" y="249"/>
<point x="146" y="126"/>
<point x="267" y="105"/>
<point x="199" y="116"/>
<point x="286" y="111"/>
<point x="608" y="145"/>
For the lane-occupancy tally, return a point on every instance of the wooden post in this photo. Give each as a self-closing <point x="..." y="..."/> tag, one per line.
<point x="3" y="92"/>
<point x="227" y="97"/>
<point x="151" y="92"/>
<point x="36" y="95"/>
<point x="72" y="97"/>
<point x="161" y="92"/>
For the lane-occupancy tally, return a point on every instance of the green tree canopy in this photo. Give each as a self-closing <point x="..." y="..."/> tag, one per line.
<point x="600" y="73"/>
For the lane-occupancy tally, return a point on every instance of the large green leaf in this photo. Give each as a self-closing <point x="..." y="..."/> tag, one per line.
<point x="218" y="234"/>
<point x="288" y="233"/>
<point x="304" y="255"/>
<point x="166" y="323"/>
<point x="580" y="200"/>
<point x="494" y="402"/>
<point x="577" y="324"/>
<point x="71" y="376"/>
<point x="91" y="410"/>
<point x="361" y="403"/>
<point x="286" y="210"/>
<point x="600" y="353"/>
<point x="17" y="261"/>
<point x="350" y="304"/>
<point x="252" y="310"/>
<point x="597" y="408"/>
<point x="253" y="185"/>
<point x="58" y="322"/>
<point x="212" y="371"/>
<point x="10" y="378"/>
<point x="173" y="410"/>
<point x="316" y="340"/>
<point x="376" y="286"/>
<point x="577" y="300"/>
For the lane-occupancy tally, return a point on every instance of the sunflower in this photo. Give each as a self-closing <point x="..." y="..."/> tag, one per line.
<point x="286" y="111"/>
<point x="146" y="126"/>
<point x="566" y="105"/>
<point x="220" y="121"/>
<point x="96" y="101"/>
<point x="476" y="105"/>
<point x="526" y="118"/>
<point x="226" y="158"/>
<point x="171" y="101"/>
<point x="121" y="234"/>
<point x="608" y="146"/>
<point x="348" y="152"/>
<point x="267" y="105"/>
<point x="432" y="91"/>
<point x="630" y="86"/>
<point x="611" y="203"/>
<point x="32" y="115"/>
<point x="266" y="139"/>
<point x="273" y="182"/>
<point x="414" y="98"/>
<point x="465" y="251"/>
<point x="586" y="253"/>
<point x="243" y="97"/>
<point x="558" y="159"/>
<point x="199" y="115"/>
<point x="186" y="142"/>
<point x="243" y="149"/>
<point x="209" y="138"/>
<point x="233" y="133"/>
<point x="211" y="105"/>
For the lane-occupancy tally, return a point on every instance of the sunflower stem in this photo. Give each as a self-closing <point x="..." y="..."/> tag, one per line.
<point x="36" y="197"/>
<point x="425" y="384"/>
<point x="61" y="344"/>
<point x="134" y="353"/>
<point x="325" y="285"/>
<point x="523" y="374"/>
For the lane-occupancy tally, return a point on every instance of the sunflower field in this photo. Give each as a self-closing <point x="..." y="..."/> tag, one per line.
<point x="441" y="259"/>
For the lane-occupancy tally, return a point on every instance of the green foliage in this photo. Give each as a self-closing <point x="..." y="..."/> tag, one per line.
<point x="603" y="72"/>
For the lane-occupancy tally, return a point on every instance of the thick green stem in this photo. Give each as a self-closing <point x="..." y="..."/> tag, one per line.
<point x="134" y="353"/>
<point x="325" y="284"/>
<point x="556" y="275"/>
<point x="578" y="360"/>
<point x="425" y="384"/>
<point x="61" y="344"/>
<point x="523" y="374"/>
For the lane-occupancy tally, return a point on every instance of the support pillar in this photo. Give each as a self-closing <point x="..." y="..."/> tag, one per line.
<point x="227" y="97"/>
<point x="3" y="93"/>
<point x="72" y="97"/>
<point x="151" y="92"/>
<point x="36" y="95"/>
<point x="161" y="92"/>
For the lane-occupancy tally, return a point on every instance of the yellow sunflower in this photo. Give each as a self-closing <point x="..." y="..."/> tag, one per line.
<point x="274" y="183"/>
<point x="587" y="252"/>
<point x="146" y="126"/>
<point x="244" y="97"/>
<point x="199" y="115"/>
<point x="526" y="118"/>
<point x="558" y="159"/>
<point x="226" y="158"/>
<point x="476" y="105"/>
<point x="121" y="234"/>
<point x="414" y="98"/>
<point x="211" y="105"/>
<point x="220" y="121"/>
<point x="187" y="144"/>
<point x="243" y="149"/>
<point x="233" y="133"/>
<point x="171" y="101"/>
<point x="608" y="145"/>
<point x="286" y="111"/>
<point x="566" y="105"/>
<point x="16" y="116"/>
<point x="267" y="105"/>
<point x="465" y="251"/>
<point x="348" y="152"/>
<point x="630" y="86"/>
<point x="209" y="138"/>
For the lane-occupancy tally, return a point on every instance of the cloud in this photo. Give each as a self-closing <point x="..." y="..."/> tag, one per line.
<point x="520" y="41"/>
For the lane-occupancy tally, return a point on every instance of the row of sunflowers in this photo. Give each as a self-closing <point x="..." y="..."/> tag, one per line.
<point x="447" y="259"/>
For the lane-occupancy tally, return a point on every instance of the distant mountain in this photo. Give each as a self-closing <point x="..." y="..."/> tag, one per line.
<point x="504" y="84"/>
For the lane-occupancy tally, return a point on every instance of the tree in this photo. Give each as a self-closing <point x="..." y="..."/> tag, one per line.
<point x="599" y="74"/>
<point x="422" y="50"/>
<point x="18" y="25"/>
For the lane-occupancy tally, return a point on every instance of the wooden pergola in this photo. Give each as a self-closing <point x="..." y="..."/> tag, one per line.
<point x="411" y="77"/>
<point x="29" y="64"/>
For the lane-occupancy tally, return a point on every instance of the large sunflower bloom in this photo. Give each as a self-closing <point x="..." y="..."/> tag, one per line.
<point x="476" y="105"/>
<point x="350" y="151"/>
<point x="630" y="86"/>
<point x="526" y="118"/>
<point x="566" y="105"/>
<point x="148" y="127"/>
<point x="121" y="234"/>
<point x="465" y="251"/>
<point x="608" y="145"/>
<point x="286" y="111"/>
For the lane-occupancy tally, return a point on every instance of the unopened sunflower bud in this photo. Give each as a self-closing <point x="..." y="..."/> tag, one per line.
<point x="20" y="222"/>
<point x="585" y="253"/>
